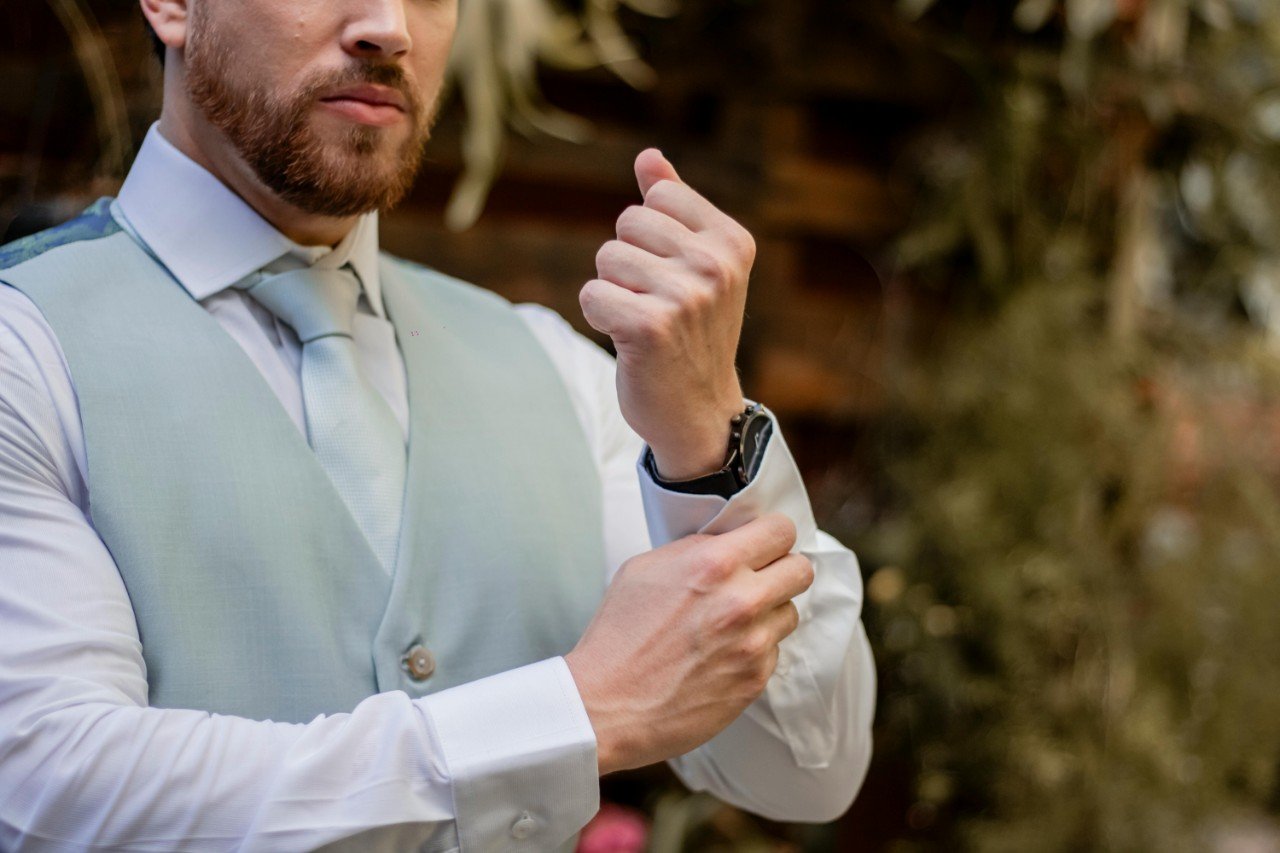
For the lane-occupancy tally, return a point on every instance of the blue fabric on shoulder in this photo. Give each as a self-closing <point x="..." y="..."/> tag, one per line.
<point x="94" y="223"/>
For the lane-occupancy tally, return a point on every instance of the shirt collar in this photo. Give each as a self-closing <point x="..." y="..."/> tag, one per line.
<point x="210" y="238"/>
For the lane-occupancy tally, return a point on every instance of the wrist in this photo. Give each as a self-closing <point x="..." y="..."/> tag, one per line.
<point x="675" y="464"/>
<point x="701" y="446"/>
<point x="608" y="722"/>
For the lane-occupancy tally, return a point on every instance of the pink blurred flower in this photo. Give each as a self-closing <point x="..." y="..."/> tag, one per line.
<point x="614" y="829"/>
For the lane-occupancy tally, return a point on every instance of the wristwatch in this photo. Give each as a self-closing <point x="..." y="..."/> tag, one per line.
<point x="749" y="432"/>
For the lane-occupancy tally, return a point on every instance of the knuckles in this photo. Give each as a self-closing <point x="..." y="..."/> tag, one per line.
<point x="793" y="617"/>
<point x="706" y="274"/>
<point x="710" y="265"/>
<point x="608" y="256"/>
<point x="807" y="573"/>
<point x="760" y="676"/>
<point x="657" y="325"/>
<point x="589" y="296"/>
<point x="784" y="529"/>
<point x="713" y="569"/>
<point x="698" y="301"/>
<point x="630" y="221"/>
<point x="744" y="245"/>
<point x="663" y="192"/>
<point x="754" y="645"/>
<point x="753" y="651"/>
<point x="738" y="610"/>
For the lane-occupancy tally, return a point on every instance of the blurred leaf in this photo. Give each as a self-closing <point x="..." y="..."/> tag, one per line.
<point x="1031" y="15"/>
<point x="103" y="81"/>
<point x="494" y="67"/>
<point x="1087" y="18"/>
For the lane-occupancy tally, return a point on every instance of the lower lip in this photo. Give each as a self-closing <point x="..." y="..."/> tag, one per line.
<point x="378" y="115"/>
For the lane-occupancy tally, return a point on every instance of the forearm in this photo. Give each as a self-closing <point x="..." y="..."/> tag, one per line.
<point x="105" y="775"/>
<point x="799" y="751"/>
<point x="112" y="776"/>
<point x="809" y="731"/>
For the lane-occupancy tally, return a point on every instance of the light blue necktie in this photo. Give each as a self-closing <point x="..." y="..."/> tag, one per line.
<point x="350" y="427"/>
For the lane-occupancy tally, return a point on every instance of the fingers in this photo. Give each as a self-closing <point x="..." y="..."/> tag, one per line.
<point x="658" y="252"/>
<point x="784" y="579"/>
<point x="683" y="204"/>
<point x="663" y="190"/>
<point x="757" y="543"/>
<point x="632" y="267"/>
<point x="766" y="671"/>
<point x="620" y="313"/>
<point x="684" y="544"/>
<point x="781" y="621"/>
<point x="653" y="231"/>
<point x="651" y="167"/>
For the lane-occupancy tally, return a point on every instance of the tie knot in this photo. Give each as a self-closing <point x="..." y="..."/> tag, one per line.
<point x="313" y="302"/>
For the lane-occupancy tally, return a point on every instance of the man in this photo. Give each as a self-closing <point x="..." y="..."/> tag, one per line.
<point x="305" y="546"/>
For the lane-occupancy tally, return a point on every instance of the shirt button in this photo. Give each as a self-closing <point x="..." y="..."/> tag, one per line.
<point x="419" y="663"/>
<point x="523" y="827"/>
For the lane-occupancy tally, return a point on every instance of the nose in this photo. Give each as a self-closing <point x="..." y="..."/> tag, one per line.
<point x="377" y="28"/>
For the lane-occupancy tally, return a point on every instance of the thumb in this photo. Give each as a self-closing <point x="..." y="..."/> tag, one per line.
<point x="651" y="167"/>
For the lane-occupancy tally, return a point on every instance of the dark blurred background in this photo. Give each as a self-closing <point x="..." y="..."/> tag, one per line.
<point x="1015" y="307"/>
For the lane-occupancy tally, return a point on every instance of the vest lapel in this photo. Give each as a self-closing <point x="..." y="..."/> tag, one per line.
<point x="271" y="409"/>
<point x="254" y="589"/>
<point x="501" y="561"/>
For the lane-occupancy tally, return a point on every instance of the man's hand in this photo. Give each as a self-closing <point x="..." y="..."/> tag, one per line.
<point x="686" y="637"/>
<point x="670" y="293"/>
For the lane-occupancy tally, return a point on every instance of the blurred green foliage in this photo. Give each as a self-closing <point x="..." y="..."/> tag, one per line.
<point x="1074" y="603"/>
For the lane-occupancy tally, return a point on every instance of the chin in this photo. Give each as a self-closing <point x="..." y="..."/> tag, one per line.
<point x="349" y="171"/>
<point x="352" y="186"/>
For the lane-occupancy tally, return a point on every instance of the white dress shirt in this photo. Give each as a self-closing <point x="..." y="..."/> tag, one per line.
<point x="85" y="763"/>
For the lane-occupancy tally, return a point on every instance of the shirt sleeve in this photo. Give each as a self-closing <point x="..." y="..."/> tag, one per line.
<point x="801" y="750"/>
<point x="504" y="763"/>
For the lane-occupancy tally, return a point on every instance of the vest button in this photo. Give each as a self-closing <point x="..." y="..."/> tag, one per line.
<point x="523" y="827"/>
<point x="419" y="663"/>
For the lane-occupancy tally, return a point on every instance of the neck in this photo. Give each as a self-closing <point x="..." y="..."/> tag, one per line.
<point x="190" y="133"/>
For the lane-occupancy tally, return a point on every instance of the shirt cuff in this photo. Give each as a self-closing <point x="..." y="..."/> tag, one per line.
<point x="521" y="752"/>
<point x="776" y="487"/>
<point x="792" y="704"/>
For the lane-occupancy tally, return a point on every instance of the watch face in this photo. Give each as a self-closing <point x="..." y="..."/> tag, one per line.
<point x="754" y="435"/>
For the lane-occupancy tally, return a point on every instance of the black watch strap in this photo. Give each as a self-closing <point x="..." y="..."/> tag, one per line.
<point x="721" y="483"/>
<point x="749" y="434"/>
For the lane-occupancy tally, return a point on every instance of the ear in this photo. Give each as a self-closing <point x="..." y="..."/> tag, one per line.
<point x="168" y="18"/>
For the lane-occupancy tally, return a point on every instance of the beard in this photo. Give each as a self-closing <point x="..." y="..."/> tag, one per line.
<point x="346" y="176"/>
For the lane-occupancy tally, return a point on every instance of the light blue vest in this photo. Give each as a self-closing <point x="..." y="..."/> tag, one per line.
<point x="254" y="591"/>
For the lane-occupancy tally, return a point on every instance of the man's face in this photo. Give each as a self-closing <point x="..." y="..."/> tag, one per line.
<point x="330" y="102"/>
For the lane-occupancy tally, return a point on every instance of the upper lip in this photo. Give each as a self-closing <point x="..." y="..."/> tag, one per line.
<point x="370" y="94"/>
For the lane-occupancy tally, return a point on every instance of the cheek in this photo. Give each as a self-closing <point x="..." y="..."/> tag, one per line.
<point x="281" y="38"/>
<point x="432" y="34"/>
